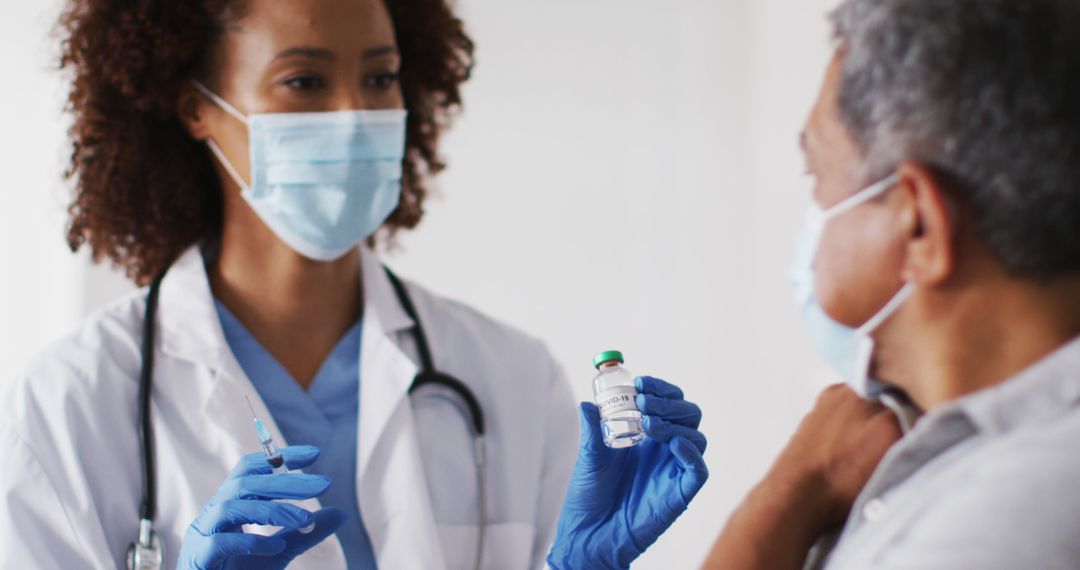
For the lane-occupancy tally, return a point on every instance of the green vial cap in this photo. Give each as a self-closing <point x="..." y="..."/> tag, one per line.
<point x="607" y="356"/>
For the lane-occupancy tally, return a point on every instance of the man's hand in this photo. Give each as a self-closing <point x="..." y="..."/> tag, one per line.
<point x="836" y="448"/>
<point x="812" y="485"/>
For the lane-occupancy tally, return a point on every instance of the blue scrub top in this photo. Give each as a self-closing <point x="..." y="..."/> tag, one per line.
<point x="325" y="415"/>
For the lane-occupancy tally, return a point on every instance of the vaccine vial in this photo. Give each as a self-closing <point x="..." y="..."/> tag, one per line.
<point x="613" y="387"/>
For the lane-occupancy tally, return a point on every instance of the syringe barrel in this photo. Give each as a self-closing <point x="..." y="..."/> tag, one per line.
<point x="274" y="457"/>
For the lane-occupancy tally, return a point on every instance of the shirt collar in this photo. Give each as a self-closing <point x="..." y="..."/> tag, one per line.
<point x="1044" y="391"/>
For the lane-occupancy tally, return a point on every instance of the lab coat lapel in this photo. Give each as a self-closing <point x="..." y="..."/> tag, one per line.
<point x="391" y="482"/>
<point x="189" y="329"/>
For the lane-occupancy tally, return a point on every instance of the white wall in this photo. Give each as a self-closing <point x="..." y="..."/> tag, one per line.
<point x="40" y="281"/>
<point x="625" y="175"/>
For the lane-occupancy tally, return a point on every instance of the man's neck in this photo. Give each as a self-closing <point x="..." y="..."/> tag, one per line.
<point x="972" y="338"/>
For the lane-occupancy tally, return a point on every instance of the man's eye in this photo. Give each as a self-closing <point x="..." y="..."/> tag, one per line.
<point x="383" y="80"/>
<point x="304" y="82"/>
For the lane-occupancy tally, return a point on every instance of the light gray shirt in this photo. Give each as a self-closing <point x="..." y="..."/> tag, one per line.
<point x="990" y="481"/>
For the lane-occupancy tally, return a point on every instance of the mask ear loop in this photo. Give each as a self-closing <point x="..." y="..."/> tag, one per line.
<point x="214" y="148"/>
<point x="225" y="106"/>
<point x="887" y="311"/>
<point x="867" y="194"/>
<point x="865" y="351"/>
<point x="817" y="217"/>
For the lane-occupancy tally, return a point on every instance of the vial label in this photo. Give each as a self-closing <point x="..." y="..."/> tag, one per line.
<point x="615" y="400"/>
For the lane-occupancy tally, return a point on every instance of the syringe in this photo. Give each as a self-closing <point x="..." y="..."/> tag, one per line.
<point x="273" y="453"/>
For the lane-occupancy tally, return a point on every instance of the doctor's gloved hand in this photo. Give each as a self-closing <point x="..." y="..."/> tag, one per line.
<point x="621" y="500"/>
<point x="216" y="539"/>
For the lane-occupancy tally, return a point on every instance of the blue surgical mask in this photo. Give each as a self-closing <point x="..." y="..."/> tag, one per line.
<point x="848" y="350"/>
<point x="322" y="182"/>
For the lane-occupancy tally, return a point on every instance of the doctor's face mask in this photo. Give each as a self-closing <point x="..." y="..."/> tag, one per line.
<point x="322" y="181"/>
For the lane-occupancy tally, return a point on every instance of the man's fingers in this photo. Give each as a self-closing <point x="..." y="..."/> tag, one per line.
<point x="887" y="425"/>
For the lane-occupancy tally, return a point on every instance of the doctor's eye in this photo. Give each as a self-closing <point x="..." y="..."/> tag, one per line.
<point x="383" y="80"/>
<point x="304" y="82"/>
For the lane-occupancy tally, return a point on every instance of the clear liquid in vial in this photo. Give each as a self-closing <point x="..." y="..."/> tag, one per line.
<point x="615" y="393"/>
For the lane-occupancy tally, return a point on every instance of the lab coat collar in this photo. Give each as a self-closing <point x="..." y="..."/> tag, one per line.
<point x="188" y="321"/>
<point x="190" y="329"/>
<point x="382" y="310"/>
<point x="386" y="371"/>
<point x="399" y="517"/>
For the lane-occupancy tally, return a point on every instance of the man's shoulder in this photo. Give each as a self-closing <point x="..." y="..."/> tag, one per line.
<point x="997" y="500"/>
<point x="1010" y="502"/>
<point x="1036" y="458"/>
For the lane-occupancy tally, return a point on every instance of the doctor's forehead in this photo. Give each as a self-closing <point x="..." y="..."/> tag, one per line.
<point x="344" y="27"/>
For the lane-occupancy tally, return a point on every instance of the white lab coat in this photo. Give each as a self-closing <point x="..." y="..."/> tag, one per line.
<point x="70" y="462"/>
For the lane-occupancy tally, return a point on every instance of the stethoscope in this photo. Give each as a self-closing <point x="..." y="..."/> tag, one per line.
<point x="146" y="552"/>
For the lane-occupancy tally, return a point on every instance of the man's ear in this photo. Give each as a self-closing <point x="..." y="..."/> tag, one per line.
<point x="191" y="108"/>
<point x="931" y="250"/>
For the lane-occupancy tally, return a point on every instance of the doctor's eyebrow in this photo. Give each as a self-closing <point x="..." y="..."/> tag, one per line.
<point x="325" y="54"/>
<point x="379" y="52"/>
<point x="303" y="51"/>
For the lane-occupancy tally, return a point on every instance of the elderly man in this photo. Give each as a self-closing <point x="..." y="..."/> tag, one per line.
<point x="945" y="146"/>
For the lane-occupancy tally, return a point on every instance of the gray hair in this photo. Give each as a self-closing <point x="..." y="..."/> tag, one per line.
<point x="986" y="93"/>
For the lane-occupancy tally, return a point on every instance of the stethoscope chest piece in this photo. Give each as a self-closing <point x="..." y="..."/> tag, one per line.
<point x="146" y="553"/>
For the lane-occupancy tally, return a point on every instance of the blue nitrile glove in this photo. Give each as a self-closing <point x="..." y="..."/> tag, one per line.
<point x="621" y="500"/>
<point x="216" y="540"/>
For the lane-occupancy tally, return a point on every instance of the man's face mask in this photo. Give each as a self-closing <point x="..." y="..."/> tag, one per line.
<point x="847" y="349"/>
<point x="322" y="182"/>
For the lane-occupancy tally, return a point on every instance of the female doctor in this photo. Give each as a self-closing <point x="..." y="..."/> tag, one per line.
<point x="234" y="155"/>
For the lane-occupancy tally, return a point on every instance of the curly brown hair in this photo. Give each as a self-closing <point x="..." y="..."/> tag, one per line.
<point x="144" y="189"/>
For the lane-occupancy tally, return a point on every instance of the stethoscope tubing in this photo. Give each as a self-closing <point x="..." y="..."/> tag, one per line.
<point x="427" y="375"/>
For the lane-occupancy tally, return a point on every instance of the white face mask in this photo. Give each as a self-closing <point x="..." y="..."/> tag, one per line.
<point x="850" y="351"/>
<point x="322" y="182"/>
